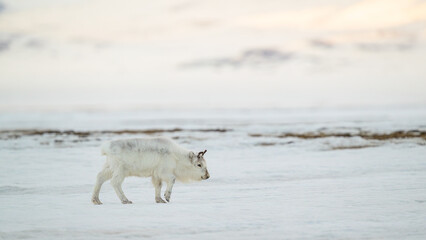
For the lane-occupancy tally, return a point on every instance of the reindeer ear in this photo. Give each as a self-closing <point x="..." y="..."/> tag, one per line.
<point x="192" y="157"/>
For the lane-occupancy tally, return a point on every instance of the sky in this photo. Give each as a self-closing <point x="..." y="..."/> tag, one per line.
<point x="96" y="54"/>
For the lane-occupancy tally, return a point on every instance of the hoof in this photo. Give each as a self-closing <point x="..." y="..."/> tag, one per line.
<point x="96" y="201"/>
<point x="160" y="200"/>
<point x="167" y="195"/>
<point x="126" y="202"/>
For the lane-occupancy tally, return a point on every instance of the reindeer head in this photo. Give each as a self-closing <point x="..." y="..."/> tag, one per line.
<point x="199" y="163"/>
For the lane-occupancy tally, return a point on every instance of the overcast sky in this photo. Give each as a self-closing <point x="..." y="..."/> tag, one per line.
<point x="212" y="53"/>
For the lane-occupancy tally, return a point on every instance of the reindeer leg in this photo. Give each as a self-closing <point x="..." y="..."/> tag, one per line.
<point x="170" y="182"/>
<point x="116" y="181"/>
<point x="157" y="185"/>
<point x="103" y="176"/>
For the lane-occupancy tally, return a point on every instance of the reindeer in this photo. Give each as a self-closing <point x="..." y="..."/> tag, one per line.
<point x="159" y="158"/>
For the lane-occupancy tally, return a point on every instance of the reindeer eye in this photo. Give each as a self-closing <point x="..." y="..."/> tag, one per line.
<point x="199" y="165"/>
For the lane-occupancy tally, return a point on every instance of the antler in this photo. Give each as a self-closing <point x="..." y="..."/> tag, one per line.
<point x="200" y="154"/>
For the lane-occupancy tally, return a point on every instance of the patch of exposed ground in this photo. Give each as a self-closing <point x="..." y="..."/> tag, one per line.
<point x="265" y="144"/>
<point x="362" y="134"/>
<point x="13" y="134"/>
<point x="353" y="147"/>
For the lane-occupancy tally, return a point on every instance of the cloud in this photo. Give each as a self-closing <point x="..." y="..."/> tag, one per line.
<point x="363" y="15"/>
<point x="5" y="44"/>
<point x="2" y="7"/>
<point x="13" y="41"/>
<point x="179" y="7"/>
<point x="321" y="43"/>
<point x="6" y="41"/>
<point x="376" y="14"/>
<point x="376" y="47"/>
<point x="258" y="56"/>
<point x="34" y="43"/>
<point x="401" y="39"/>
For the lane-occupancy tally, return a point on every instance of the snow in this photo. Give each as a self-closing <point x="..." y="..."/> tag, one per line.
<point x="291" y="189"/>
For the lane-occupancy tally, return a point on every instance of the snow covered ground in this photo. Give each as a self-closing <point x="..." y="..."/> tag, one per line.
<point x="264" y="184"/>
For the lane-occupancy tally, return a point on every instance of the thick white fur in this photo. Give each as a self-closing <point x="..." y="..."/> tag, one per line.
<point x="159" y="158"/>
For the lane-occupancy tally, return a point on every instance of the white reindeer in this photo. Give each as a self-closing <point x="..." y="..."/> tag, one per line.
<point x="159" y="158"/>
